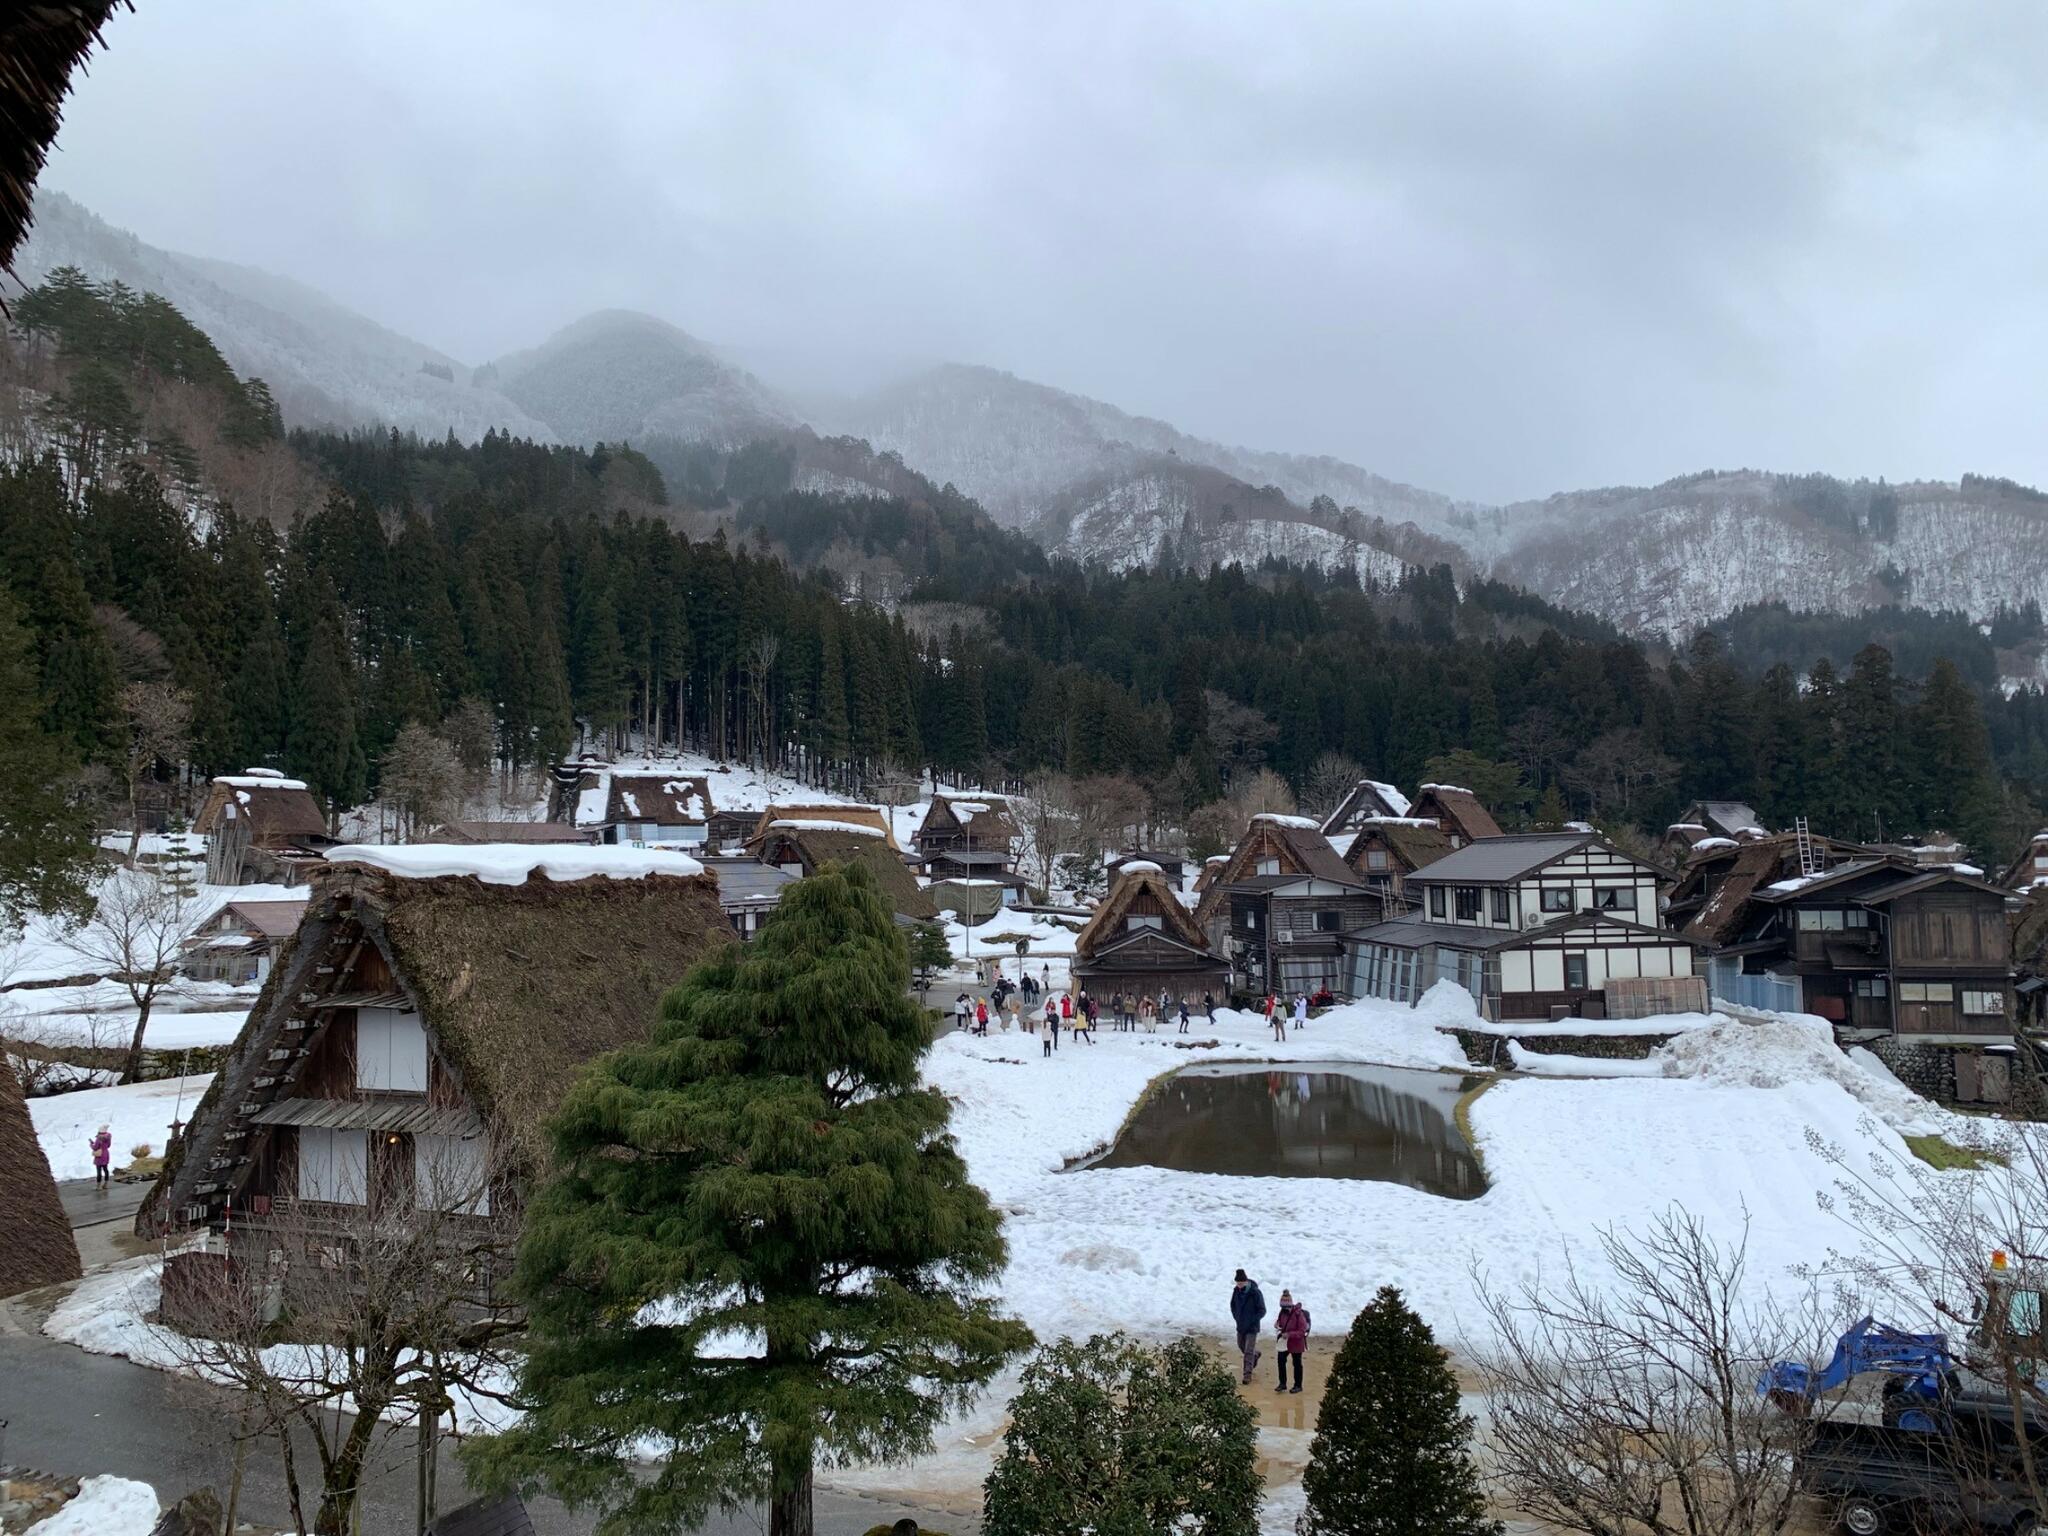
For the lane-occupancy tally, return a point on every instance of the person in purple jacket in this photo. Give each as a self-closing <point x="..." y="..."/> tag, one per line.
<point x="102" y="1156"/>
<point x="1290" y="1327"/>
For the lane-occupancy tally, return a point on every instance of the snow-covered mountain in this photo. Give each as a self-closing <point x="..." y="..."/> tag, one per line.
<point x="620" y="375"/>
<point x="326" y="365"/>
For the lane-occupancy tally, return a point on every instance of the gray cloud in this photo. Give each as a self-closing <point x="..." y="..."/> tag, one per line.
<point x="1490" y="247"/>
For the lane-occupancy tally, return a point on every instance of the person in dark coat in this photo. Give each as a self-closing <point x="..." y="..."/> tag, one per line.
<point x="1248" y="1313"/>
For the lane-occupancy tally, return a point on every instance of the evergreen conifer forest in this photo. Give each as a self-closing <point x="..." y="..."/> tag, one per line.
<point x="314" y="593"/>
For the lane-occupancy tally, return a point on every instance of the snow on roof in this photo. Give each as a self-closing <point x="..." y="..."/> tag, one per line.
<point x="1578" y="826"/>
<point x="1797" y="882"/>
<point x="1307" y="822"/>
<point x="1139" y="867"/>
<point x="515" y="863"/>
<point x="591" y="802"/>
<point x="1391" y="795"/>
<point x="1687" y="826"/>
<point x="1714" y="842"/>
<point x="259" y="778"/>
<point x="1396" y="821"/>
<point x="807" y="824"/>
<point x="967" y="810"/>
<point x="1217" y="858"/>
<point x="1449" y="789"/>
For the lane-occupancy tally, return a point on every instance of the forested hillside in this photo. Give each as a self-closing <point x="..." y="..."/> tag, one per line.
<point x="557" y="594"/>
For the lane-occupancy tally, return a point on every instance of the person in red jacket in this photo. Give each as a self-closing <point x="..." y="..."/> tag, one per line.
<point x="1290" y="1327"/>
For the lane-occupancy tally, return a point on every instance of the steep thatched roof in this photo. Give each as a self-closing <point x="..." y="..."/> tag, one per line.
<point x="517" y="985"/>
<point x="1294" y="841"/>
<point x="816" y="846"/>
<point x="38" y="1247"/>
<point x="277" y="810"/>
<point x="1413" y="842"/>
<point x="41" y="43"/>
<point x="1458" y="809"/>
<point x="1107" y="923"/>
<point x="512" y="832"/>
<point x="848" y="815"/>
<point x="993" y="824"/>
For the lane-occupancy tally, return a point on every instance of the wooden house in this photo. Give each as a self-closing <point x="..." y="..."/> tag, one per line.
<point x="748" y="891"/>
<point x="1212" y="866"/>
<point x="422" y="1023"/>
<point x="1534" y="926"/>
<point x="261" y="828"/>
<point x="1724" y="818"/>
<point x="1457" y="811"/>
<point x="1384" y="851"/>
<point x="801" y="848"/>
<point x="2030" y="869"/>
<point x="1142" y="941"/>
<point x="1276" y="909"/>
<point x="967" y="835"/>
<point x="854" y="818"/>
<point x="241" y="942"/>
<point x="1368" y="800"/>
<point x="39" y="1249"/>
<point x="644" y="809"/>
<point x="1171" y="865"/>
<point x="1873" y="942"/>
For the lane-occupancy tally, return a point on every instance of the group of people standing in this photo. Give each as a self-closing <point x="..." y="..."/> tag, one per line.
<point x="1276" y="1014"/>
<point x="1290" y="1330"/>
<point x="1077" y="1012"/>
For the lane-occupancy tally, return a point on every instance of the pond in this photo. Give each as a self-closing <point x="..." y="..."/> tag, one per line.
<point x="1307" y="1120"/>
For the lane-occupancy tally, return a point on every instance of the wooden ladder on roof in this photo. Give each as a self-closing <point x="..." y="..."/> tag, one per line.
<point x="1809" y="855"/>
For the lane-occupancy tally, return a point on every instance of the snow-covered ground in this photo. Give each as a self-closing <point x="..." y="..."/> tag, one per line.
<point x="105" y="1506"/>
<point x="138" y="1113"/>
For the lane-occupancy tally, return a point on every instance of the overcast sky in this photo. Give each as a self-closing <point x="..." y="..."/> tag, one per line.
<point x="1493" y="247"/>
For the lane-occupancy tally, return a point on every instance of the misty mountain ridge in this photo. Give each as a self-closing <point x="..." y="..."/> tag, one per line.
<point x="1095" y="482"/>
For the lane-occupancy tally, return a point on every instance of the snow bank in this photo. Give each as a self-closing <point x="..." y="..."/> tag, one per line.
<point x="1778" y="1049"/>
<point x="514" y="863"/>
<point x="137" y="1113"/>
<point x="1550" y="1064"/>
<point x="105" y="1506"/>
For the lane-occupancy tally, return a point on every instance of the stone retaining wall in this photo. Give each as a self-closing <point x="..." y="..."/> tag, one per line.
<point x="1484" y="1048"/>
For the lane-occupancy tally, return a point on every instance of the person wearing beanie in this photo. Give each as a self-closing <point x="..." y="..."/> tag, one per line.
<point x="1290" y="1325"/>
<point x="1247" y="1311"/>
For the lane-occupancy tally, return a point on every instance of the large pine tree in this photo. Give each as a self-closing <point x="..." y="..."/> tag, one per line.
<point x="1391" y="1455"/>
<point x="758" y="1246"/>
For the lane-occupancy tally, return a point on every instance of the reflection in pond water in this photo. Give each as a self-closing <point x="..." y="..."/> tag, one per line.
<point x="1313" y="1120"/>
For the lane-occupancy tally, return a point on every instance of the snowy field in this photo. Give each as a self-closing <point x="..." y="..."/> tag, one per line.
<point x="138" y="1113"/>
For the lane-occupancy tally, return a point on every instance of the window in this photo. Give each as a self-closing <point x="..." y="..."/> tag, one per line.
<point x="1457" y="841"/>
<point x="1329" y="922"/>
<point x="1614" y="898"/>
<point x="1269" y="866"/>
<point x="1251" y="918"/>
<point x="2041" y="863"/>
<point x="332" y="1165"/>
<point x="1376" y="858"/>
<point x="391" y="1051"/>
<point x="1927" y="992"/>
<point x="452" y="1175"/>
<point x="1832" y="919"/>
<point x="1436" y="901"/>
<point x="1575" y="973"/>
<point x="1557" y="898"/>
<point x="1875" y="986"/>
<point x="1138" y="922"/>
<point x="1986" y="1004"/>
<point x="1500" y="904"/>
<point x="1465" y="899"/>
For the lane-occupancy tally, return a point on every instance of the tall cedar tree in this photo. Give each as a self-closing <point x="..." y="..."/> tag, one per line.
<point x="1392" y="1456"/>
<point x="764" y="1170"/>
<point x="1114" y="1437"/>
<point x="46" y="848"/>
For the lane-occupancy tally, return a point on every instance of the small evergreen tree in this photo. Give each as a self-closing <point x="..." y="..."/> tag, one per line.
<point x="758" y="1246"/>
<point x="1391" y="1455"/>
<point x="1120" y="1439"/>
<point x="929" y="954"/>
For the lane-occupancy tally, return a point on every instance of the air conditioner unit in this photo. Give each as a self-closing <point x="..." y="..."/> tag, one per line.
<point x="1286" y="935"/>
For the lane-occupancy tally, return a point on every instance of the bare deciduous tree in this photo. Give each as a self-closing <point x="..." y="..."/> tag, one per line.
<point x="1050" y="817"/>
<point x="139" y="919"/>
<point x="1264" y="793"/>
<point x="423" y="779"/>
<point x="1238" y="733"/>
<point x="1330" y="778"/>
<point x="1616" y="767"/>
<point x="1629" y="1406"/>
<point x="157" y="722"/>
<point x="383" y="1309"/>
<point x="472" y="732"/>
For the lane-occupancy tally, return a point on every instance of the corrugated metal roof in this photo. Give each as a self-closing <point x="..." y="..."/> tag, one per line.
<point x="1490" y="859"/>
<point x="1405" y="933"/>
<point x="747" y="880"/>
<point x="414" y="1117"/>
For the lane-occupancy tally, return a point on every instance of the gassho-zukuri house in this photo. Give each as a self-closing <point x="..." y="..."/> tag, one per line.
<point x="418" y="1030"/>
<point x="1536" y="926"/>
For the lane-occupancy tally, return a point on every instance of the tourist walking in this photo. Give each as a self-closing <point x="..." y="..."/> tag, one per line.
<point x="1052" y="1028"/>
<point x="102" y="1156"/>
<point x="1183" y="1015"/>
<point x="1165" y="1005"/>
<point x="1300" y="1009"/>
<point x="981" y="1016"/>
<point x="1209" y="1006"/>
<point x="1275" y="1017"/>
<point x="1290" y="1329"/>
<point x="960" y="1013"/>
<point x="1067" y="1009"/>
<point x="1247" y="1313"/>
<point x="1090" y="1011"/>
